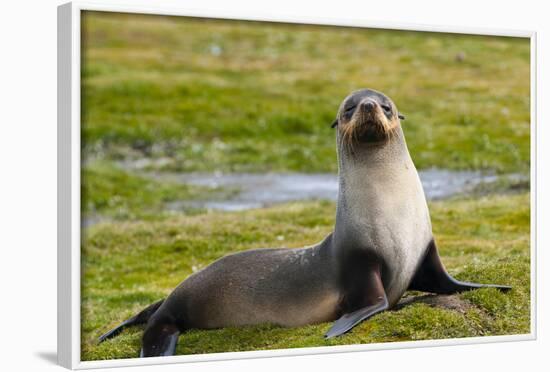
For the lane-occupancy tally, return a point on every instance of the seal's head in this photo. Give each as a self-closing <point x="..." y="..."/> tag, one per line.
<point x="367" y="116"/>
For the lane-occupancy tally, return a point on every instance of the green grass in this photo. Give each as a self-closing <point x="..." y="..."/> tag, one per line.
<point x="111" y="192"/>
<point x="234" y="96"/>
<point x="127" y="265"/>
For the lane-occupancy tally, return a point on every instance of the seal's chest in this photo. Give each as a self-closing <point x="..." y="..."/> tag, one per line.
<point x="402" y="251"/>
<point x="383" y="212"/>
<point x="397" y="231"/>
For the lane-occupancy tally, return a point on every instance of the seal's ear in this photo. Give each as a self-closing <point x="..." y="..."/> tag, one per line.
<point x="334" y="123"/>
<point x="400" y="116"/>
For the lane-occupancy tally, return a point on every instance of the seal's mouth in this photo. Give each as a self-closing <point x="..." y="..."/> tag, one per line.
<point x="370" y="123"/>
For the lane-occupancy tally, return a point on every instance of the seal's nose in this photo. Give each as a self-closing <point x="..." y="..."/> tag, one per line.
<point x="367" y="106"/>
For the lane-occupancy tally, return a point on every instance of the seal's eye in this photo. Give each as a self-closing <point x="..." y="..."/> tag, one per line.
<point x="387" y="109"/>
<point x="349" y="111"/>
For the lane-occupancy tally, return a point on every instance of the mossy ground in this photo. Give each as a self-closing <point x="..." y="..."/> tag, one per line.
<point x="217" y="95"/>
<point x="127" y="266"/>
<point x="110" y="192"/>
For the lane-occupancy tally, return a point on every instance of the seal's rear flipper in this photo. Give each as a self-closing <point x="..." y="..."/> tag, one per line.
<point x="141" y="318"/>
<point x="370" y="300"/>
<point x="159" y="339"/>
<point x="115" y="331"/>
<point x="432" y="277"/>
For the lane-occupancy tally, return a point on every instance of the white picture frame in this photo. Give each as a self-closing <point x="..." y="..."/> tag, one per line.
<point x="69" y="219"/>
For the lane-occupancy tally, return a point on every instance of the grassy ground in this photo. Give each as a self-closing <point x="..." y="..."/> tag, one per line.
<point x="221" y="95"/>
<point x="126" y="266"/>
<point x="195" y="95"/>
<point x="110" y="192"/>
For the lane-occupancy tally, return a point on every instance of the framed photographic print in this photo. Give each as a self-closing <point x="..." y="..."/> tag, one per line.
<point x="241" y="186"/>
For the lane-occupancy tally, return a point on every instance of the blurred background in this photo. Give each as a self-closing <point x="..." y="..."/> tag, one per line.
<point x="201" y="137"/>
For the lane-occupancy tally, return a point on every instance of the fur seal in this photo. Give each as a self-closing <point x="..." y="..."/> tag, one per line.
<point x="381" y="246"/>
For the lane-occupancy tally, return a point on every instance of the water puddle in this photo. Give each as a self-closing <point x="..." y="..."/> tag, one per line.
<point x="261" y="190"/>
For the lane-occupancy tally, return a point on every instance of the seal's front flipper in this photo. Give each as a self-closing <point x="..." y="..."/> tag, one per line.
<point x="363" y="302"/>
<point x="348" y="321"/>
<point x="159" y="339"/>
<point x="432" y="277"/>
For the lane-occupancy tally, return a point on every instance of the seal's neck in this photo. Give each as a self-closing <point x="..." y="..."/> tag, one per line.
<point x="369" y="159"/>
<point x="374" y="181"/>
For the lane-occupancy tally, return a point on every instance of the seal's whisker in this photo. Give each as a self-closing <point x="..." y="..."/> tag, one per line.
<point x="392" y="132"/>
<point x="347" y="137"/>
<point x="353" y="139"/>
